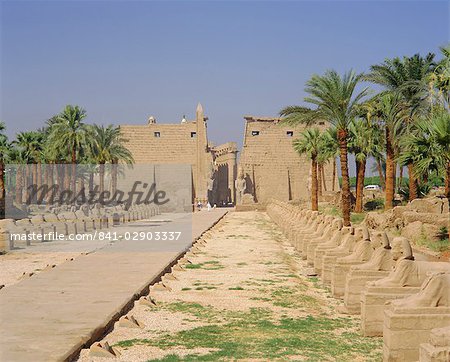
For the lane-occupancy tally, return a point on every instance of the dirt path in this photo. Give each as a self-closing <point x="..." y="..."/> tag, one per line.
<point x="242" y="297"/>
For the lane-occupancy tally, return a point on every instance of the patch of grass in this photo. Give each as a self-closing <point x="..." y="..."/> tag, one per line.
<point x="292" y="298"/>
<point x="330" y="210"/>
<point x="236" y="288"/>
<point x="439" y="245"/>
<point x="357" y="218"/>
<point x="195" y="309"/>
<point x="269" y="281"/>
<point x="184" y="289"/>
<point x="207" y="265"/>
<point x="261" y="298"/>
<point x="241" y="264"/>
<point x="253" y="335"/>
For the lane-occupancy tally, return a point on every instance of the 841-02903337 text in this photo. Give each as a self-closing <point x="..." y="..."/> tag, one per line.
<point x="140" y="235"/>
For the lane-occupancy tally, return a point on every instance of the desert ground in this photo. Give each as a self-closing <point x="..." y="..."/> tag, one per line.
<point x="242" y="294"/>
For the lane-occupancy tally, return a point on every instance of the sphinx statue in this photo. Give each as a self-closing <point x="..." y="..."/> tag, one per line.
<point x="403" y="281"/>
<point x="416" y="316"/>
<point x="362" y="253"/>
<point x="330" y="233"/>
<point x="350" y="236"/>
<point x="379" y="266"/>
<point x="329" y="244"/>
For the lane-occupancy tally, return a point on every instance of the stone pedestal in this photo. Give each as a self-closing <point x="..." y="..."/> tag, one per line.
<point x="406" y="328"/>
<point x="355" y="284"/>
<point x="373" y="304"/>
<point x="438" y="347"/>
<point x="328" y="264"/>
<point x="339" y="277"/>
<point x="5" y="243"/>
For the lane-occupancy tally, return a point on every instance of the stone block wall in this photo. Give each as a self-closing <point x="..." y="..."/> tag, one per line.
<point x="184" y="143"/>
<point x="272" y="168"/>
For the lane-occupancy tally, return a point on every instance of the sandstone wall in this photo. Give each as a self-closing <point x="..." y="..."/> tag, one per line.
<point x="271" y="167"/>
<point x="186" y="143"/>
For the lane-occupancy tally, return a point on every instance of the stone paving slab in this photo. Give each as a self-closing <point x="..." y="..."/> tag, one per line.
<point x="51" y="316"/>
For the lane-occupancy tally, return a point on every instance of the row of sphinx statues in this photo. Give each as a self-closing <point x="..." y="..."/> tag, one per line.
<point x="400" y="297"/>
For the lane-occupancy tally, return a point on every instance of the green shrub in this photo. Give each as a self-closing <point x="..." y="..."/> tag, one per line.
<point x="375" y="204"/>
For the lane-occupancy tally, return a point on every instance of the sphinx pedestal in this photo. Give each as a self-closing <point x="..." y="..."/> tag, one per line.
<point x="355" y="284"/>
<point x="406" y="328"/>
<point x="373" y="304"/>
<point x="438" y="348"/>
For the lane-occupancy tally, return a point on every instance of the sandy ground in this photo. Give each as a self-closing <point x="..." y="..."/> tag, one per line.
<point x="40" y="257"/>
<point x="244" y="277"/>
<point x="14" y="267"/>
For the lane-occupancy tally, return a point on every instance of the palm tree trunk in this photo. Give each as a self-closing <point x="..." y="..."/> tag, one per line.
<point x="319" y="180"/>
<point x="360" y="185"/>
<point x="39" y="175"/>
<point x="447" y="182"/>
<point x="114" y="176"/>
<point x="314" y="185"/>
<point x="91" y="180"/>
<point x="102" y="177"/>
<point x="74" y="169"/>
<point x="390" y="174"/>
<point x="2" y="182"/>
<point x="381" y="175"/>
<point x="401" y="176"/>
<point x="323" y="178"/>
<point x="395" y="177"/>
<point x="34" y="174"/>
<point x="2" y="191"/>
<point x="412" y="183"/>
<point x="66" y="177"/>
<point x="447" y="191"/>
<point x="334" y="174"/>
<point x="343" y="148"/>
<point x="19" y="184"/>
<point x="25" y="184"/>
<point x="82" y="184"/>
<point x="49" y="181"/>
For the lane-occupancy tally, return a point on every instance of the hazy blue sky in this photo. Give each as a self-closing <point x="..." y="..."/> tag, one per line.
<point x="123" y="61"/>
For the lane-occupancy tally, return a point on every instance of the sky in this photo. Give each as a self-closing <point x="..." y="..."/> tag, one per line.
<point x="126" y="60"/>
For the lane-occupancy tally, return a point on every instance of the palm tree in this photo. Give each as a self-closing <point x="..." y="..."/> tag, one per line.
<point x="107" y="146"/>
<point x="331" y="150"/>
<point x="440" y="78"/>
<point x="4" y="150"/>
<point x="18" y="157"/>
<point x="429" y="146"/>
<point x="30" y="144"/>
<point x="409" y="77"/>
<point x="364" y="141"/>
<point x="310" y="144"/>
<point x="392" y="114"/>
<point x="335" y="102"/>
<point x="68" y="132"/>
